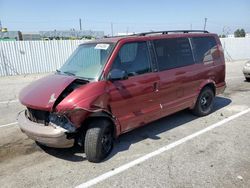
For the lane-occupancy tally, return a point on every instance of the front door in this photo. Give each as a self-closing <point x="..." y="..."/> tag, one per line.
<point x="133" y="99"/>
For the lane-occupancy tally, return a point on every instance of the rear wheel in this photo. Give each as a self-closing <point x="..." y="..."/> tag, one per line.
<point x="204" y="103"/>
<point x="247" y="79"/>
<point x="99" y="140"/>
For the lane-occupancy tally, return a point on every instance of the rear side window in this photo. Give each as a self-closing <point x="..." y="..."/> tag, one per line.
<point x="133" y="58"/>
<point x="173" y="53"/>
<point x="204" y="49"/>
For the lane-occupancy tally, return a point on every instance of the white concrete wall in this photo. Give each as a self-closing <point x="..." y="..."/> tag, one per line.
<point x="236" y="48"/>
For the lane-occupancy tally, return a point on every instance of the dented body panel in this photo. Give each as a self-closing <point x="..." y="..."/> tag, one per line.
<point x="89" y="96"/>
<point x="43" y="93"/>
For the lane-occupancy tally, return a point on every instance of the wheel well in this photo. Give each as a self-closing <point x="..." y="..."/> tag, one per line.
<point x="85" y="125"/>
<point x="212" y="86"/>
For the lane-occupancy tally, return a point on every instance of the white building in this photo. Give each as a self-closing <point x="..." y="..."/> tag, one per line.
<point x="124" y="34"/>
<point x="247" y="35"/>
<point x="230" y="36"/>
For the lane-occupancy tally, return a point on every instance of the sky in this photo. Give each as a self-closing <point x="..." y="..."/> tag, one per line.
<point x="125" y="16"/>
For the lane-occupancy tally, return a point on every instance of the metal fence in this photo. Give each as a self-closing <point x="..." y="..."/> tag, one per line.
<point x="26" y="57"/>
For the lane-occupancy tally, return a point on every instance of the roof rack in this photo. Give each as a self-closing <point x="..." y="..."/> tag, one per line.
<point x="172" y="31"/>
<point x="159" y="32"/>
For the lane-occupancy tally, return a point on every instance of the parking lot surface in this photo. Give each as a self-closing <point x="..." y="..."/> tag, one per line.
<point x="217" y="157"/>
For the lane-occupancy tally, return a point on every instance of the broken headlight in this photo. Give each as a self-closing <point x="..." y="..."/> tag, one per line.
<point x="62" y="121"/>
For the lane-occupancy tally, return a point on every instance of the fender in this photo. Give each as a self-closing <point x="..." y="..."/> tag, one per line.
<point x="107" y="114"/>
<point x="91" y="100"/>
<point x="206" y="82"/>
<point x="202" y="85"/>
<point x="79" y="115"/>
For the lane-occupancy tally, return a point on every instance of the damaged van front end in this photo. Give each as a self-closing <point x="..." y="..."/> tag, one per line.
<point x="56" y="117"/>
<point x="41" y="121"/>
<point x="55" y="133"/>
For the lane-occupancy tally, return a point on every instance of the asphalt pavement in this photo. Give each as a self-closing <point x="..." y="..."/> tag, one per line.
<point x="180" y="150"/>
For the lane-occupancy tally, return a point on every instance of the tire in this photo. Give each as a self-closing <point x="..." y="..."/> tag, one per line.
<point x="204" y="103"/>
<point x="247" y="79"/>
<point x="98" y="142"/>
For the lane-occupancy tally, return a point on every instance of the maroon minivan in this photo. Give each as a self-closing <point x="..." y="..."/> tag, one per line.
<point x="113" y="85"/>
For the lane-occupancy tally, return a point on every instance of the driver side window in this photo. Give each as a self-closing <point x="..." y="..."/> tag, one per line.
<point x="133" y="58"/>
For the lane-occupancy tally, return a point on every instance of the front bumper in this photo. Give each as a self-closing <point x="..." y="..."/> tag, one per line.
<point x="51" y="135"/>
<point x="246" y="71"/>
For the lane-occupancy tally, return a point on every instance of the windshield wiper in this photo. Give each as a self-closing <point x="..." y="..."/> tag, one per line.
<point x="69" y="73"/>
<point x="72" y="74"/>
<point x="84" y="78"/>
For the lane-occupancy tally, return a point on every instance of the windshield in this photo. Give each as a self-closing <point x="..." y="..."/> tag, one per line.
<point x="87" y="60"/>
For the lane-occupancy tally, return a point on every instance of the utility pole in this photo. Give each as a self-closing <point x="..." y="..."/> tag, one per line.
<point x="112" y="34"/>
<point x="191" y="27"/>
<point x="205" y="24"/>
<point x="0" y="26"/>
<point x="80" y="23"/>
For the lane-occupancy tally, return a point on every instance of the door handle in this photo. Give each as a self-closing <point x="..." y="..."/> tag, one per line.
<point x="155" y="87"/>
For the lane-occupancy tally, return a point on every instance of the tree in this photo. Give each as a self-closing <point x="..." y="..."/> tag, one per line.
<point x="240" y="33"/>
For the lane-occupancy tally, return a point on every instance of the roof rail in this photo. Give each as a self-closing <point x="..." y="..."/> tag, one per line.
<point x="172" y="31"/>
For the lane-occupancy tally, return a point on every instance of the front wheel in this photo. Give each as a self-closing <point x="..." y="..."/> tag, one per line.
<point x="248" y="79"/>
<point x="99" y="140"/>
<point x="204" y="103"/>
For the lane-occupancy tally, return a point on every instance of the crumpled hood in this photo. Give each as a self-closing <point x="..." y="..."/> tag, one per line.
<point x="43" y="93"/>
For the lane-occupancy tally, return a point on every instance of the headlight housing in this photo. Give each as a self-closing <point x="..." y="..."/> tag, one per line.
<point x="62" y="121"/>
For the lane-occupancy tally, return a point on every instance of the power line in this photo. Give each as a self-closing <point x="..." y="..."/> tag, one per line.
<point x="98" y="21"/>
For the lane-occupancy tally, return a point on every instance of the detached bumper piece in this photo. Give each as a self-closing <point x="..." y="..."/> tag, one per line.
<point x="50" y="135"/>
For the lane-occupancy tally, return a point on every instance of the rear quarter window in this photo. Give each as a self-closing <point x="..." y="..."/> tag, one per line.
<point x="205" y="49"/>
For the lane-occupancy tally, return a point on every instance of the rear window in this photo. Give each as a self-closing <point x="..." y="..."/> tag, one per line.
<point x="173" y="53"/>
<point x="204" y="49"/>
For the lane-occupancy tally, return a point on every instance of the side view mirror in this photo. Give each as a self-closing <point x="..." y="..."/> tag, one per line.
<point x="117" y="74"/>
